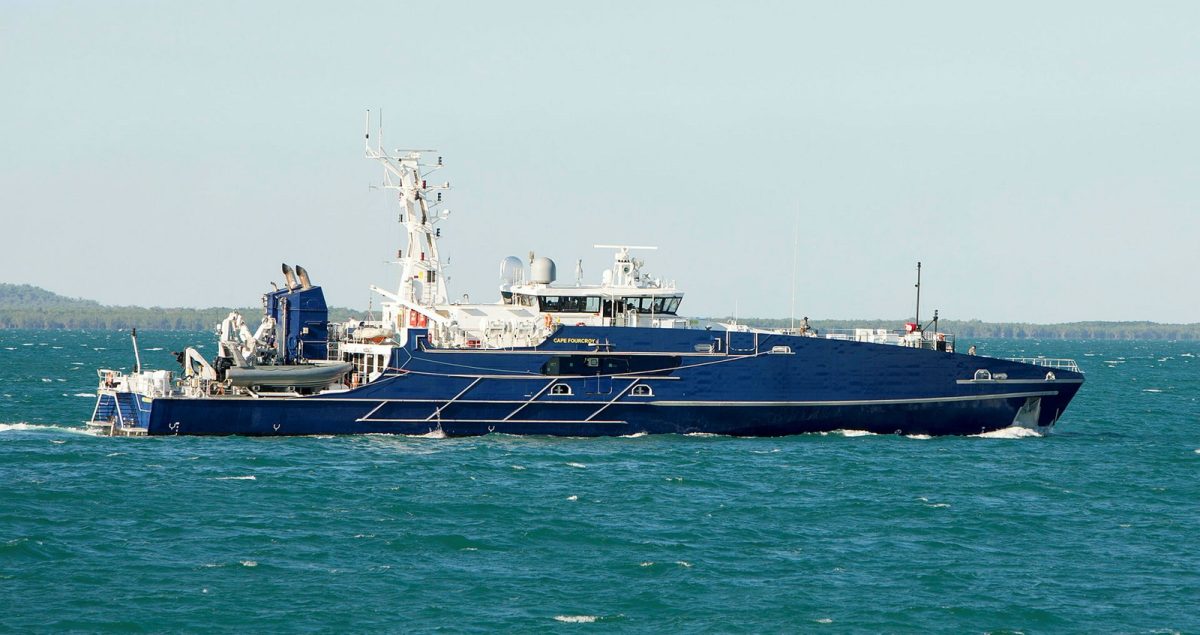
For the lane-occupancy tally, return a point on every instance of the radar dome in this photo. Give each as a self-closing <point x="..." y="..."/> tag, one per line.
<point x="542" y="271"/>
<point x="512" y="271"/>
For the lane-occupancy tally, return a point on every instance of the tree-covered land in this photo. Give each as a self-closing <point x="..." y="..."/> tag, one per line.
<point x="29" y="307"/>
<point x="972" y="329"/>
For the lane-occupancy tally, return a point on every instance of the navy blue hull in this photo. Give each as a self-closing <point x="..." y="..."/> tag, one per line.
<point x="659" y="384"/>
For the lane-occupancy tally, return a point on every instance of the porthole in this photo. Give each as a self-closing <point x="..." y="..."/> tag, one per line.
<point x="1050" y="376"/>
<point x="560" y="389"/>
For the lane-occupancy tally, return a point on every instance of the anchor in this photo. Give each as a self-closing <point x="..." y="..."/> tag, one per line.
<point x="491" y="429"/>
<point x="276" y="427"/>
<point x="174" y="426"/>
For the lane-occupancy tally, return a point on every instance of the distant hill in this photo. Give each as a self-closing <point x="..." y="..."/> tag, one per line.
<point x="30" y="307"/>
<point x="24" y="306"/>
<point x="971" y="329"/>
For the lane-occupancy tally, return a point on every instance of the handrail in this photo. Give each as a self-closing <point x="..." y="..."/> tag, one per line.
<point x="1049" y="363"/>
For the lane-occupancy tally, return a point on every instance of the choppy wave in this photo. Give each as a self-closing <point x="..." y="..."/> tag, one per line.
<point x="576" y="619"/>
<point x="1013" y="432"/>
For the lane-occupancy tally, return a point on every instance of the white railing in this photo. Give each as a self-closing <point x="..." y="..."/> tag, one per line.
<point x="1048" y="362"/>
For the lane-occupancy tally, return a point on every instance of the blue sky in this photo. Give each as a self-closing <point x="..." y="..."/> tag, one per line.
<point x="1039" y="158"/>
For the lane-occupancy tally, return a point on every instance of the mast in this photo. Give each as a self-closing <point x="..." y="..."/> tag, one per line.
<point x="421" y="281"/>
<point x="918" y="316"/>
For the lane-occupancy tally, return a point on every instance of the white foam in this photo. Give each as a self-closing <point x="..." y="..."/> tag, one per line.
<point x="572" y="498"/>
<point x="236" y="478"/>
<point x="84" y="394"/>
<point x="432" y="434"/>
<point x="684" y="563"/>
<point x="647" y="563"/>
<point x="249" y="563"/>
<point x="157" y="348"/>
<point x="518" y="467"/>
<point x="929" y="504"/>
<point x="1197" y="450"/>
<point x="578" y="465"/>
<point x="1151" y="390"/>
<point x="701" y="434"/>
<point x="824" y="620"/>
<point x="1012" y="432"/>
<point x="576" y="619"/>
<point x="854" y="433"/>
<point x="921" y="437"/>
<point x="635" y="435"/>
<point x="47" y="380"/>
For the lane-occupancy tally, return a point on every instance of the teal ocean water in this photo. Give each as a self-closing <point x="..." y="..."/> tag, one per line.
<point x="1093" y="528"/>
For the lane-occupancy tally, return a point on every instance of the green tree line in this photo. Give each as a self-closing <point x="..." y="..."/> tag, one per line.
<point x="973" y="329"/>
<point x="29" y="307"/>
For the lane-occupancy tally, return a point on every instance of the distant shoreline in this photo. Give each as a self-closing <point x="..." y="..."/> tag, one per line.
<point x="29" y="307"/>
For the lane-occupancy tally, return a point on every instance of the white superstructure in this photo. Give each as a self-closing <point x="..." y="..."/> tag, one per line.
<point x="532" y="303"/>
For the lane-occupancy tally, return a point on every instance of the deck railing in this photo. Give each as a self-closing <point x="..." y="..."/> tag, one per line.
<point x="1048" y="362"/>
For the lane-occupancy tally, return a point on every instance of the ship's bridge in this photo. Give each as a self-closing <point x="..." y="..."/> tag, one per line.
<point x="533" y="304"/>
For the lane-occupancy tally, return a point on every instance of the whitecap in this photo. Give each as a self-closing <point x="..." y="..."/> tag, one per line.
<point x="854" y="433"/>
<point x="47" y="380"/>
<point x="921" y="437"/>
<point x="684" y="563"/>
<point x="824" y="620"/>
<point x="249" y="563"/>
<point x="1151" y="390"/>
<point x="432" y="434"/>
<point x="579" y="465"/>
<point x="572" y="498"/>
<point x="158" y="348"/>
<point x="236" y="478"/>
<point x="576" y="619"/>
<point x="635" y="435"/>
<point x="518" y="467"/>
<point x="1012" y="432"/>
<point x="57" y="441"/>
<point x="84" y="394"/>
<point x="648" y="563"/>
<point x="56" y="348"/>
<point x="10" y="348"/>
<point x="701" y="434"/>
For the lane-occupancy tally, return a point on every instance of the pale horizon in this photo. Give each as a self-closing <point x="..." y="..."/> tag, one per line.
<point x="1039" y="160"/>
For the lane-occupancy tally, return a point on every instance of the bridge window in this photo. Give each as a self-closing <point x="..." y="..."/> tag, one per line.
<point x="569" y="304"/>
<point x="560" y="389"/>
<point x="641" y="390"/>
<point x="983" y="374"/>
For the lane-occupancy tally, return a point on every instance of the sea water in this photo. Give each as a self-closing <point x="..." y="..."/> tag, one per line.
<point x="1094" y="527"/>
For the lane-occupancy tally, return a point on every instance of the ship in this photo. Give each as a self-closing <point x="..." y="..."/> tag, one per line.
<point x="612" y="358"/>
